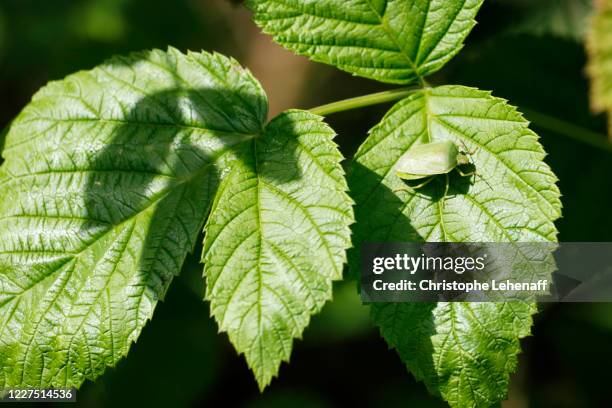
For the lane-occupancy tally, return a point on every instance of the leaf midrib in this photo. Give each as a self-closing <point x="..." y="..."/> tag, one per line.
<point x="160" y="196"/>
<point x="394" y="39"/>
<point x="381" y="23"/>
<point x="193" y="128"/>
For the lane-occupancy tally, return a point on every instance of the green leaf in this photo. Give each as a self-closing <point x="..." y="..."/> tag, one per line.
<point x="462" y="351"/>
<point x="276" y="239"/>
<point x="108" y="179"/>
<point x="394" y="41"/>
<point x="599" y="68"/>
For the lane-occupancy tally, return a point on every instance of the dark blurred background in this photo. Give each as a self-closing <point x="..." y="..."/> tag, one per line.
<point x="530" y="52"/>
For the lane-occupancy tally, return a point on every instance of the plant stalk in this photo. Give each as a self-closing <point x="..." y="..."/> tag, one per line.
<point x="563" y="128"/>
<point x="363" y="101"/>
<point x="541" y="120"/>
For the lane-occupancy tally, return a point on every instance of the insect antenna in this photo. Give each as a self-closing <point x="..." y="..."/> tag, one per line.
<point x="470" y="153"/>
<point x="483" y="179"/>
<point x="474" y="164"/>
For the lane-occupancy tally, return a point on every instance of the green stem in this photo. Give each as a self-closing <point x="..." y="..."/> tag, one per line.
<point x="541" y="120"/>
<point x="567" y="129"/>
<point x="362" y="101"/>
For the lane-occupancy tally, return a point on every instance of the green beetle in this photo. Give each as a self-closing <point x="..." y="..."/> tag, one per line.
<point x="431" y="159"/>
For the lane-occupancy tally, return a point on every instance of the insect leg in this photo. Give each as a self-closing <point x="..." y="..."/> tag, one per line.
<point x="473" y="173"/>
<point x="483" y="179"/>
<point x="466" y="174"/>
<point x="447" y="182"/>
<point x="411" y="189"/>
<point x="423" y="184"/>
<point x="446" y="186"/>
